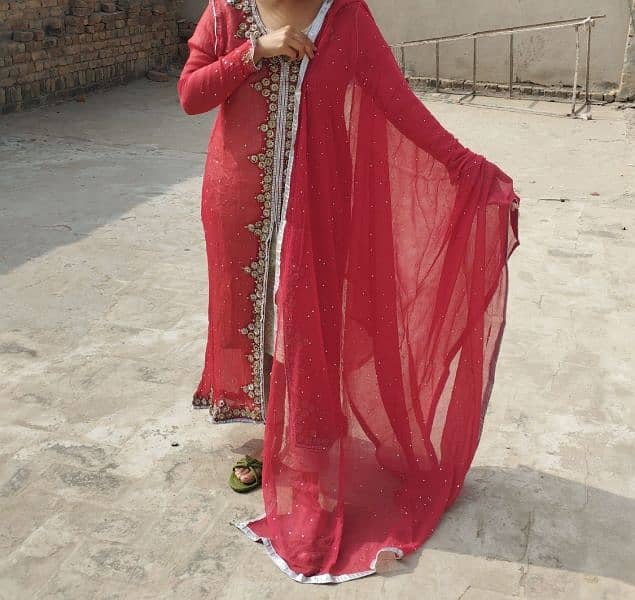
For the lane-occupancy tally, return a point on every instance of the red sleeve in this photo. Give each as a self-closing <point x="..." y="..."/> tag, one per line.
<point x="379" y="74"/>
<point x="207" y="80"/>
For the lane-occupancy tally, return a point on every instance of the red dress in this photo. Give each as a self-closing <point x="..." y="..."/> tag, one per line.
<point x="390" y="298"/>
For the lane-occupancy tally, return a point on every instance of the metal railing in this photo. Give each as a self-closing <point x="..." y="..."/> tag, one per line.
<point x="587" y="22"/>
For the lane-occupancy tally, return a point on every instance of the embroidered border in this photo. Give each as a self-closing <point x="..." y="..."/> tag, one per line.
<point x="277" y="86"/>
<point x="248" y="25"/>
<point x="221" y="411"/>
<point x="279" y="90"/>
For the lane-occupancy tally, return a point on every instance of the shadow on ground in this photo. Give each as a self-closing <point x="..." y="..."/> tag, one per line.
<point x="68" y="169"/>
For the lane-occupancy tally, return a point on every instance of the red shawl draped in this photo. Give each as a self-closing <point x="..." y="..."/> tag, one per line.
<point x="391" y="298"/>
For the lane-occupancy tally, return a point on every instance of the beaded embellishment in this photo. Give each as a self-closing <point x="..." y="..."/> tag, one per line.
<point x="277" y="86"/>
<point x="248" y="25"/>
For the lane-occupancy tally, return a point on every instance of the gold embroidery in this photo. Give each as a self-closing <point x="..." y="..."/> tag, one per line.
<point x="221" y="411"/>
<point x="277" y="86"/>
<point x="249" y="24"/>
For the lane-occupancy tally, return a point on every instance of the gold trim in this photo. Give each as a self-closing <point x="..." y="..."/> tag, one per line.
<point x="272" y="160"/>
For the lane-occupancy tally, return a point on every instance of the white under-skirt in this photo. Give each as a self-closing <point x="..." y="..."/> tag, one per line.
<point x="274" y="264"/>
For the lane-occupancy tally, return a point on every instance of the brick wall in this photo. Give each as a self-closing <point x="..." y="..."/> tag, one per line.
<point x="60" y="48"/>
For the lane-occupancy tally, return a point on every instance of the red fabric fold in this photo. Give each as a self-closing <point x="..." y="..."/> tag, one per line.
<point x="391" y="305"/>
<point x="391" y="297"/>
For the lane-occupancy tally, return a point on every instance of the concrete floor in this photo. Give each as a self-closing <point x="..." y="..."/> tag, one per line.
<point x="103" y="323"/>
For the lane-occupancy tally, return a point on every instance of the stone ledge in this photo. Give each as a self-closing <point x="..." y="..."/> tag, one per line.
<point x="500" y="89"/>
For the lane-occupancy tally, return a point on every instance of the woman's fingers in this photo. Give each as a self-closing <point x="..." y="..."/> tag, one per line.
<point x="309" y="48"/>
<point x="307" y="45"/>
<point x="286" y="41"/>
<point x="299" y="42"/>
<point x="290" y="52"/>
<point x="298" y="46"/>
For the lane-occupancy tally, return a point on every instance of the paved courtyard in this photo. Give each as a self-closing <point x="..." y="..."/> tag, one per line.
<point x="111" y="486"/>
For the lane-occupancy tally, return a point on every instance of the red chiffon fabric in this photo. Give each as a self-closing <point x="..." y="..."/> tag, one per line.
<point x="391" y="307"/>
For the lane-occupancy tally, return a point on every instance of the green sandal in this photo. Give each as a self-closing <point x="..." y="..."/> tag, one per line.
<point x="255" y="466"/>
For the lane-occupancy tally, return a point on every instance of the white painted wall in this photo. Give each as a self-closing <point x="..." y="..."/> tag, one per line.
<point x="542" y="57"/>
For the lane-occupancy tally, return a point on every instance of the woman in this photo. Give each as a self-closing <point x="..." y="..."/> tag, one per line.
<point x="357" y="242"/>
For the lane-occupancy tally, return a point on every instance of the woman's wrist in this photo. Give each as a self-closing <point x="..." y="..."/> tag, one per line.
<point x="257" y="50"/>
<point x="249" y="57"/>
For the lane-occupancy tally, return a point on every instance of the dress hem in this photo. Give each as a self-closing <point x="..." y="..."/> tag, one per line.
<point x="201" y="402"/>
<point x="235" y="420"/>
<point x="299" y="577"/>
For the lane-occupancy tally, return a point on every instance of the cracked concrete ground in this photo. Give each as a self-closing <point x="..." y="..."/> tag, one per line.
<point x="104" y="300"/>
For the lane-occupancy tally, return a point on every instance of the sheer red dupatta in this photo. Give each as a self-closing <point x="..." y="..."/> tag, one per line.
<point x="391" y="309"/>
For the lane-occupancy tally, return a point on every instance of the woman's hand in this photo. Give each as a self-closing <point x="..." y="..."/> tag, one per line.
<point x="286" y="41"/>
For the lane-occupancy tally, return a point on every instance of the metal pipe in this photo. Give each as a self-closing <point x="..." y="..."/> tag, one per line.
<point x="505" y="31"/>
<point x="588" y="61"/>
<point x="589" y="22"/>
<point x="402" y="59"/>
<point x="577" y="67"/>
<point x="474" y="68"/>
<point x="511" y="63"/>
<point x="437" y="57"/>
